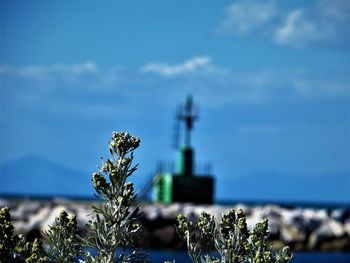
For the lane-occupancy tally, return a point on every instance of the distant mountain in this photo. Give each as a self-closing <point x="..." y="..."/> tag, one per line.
<point x="273" y="186"/>
<point x="35" y="176"/>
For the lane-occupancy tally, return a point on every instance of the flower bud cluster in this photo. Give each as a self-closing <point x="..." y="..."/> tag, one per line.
<point x="135" y="228"/>
<point x="115" y="175"/>
<point x="123" y="142"/>
<point x="124" y="162"/>
<point x="99" y="182"/>
<point x="62" y="220"/>
<point x="242" y="223"/>
<point x="128" y="190"/>
<point x="108" y="167"/>
<point x="70" y="224"/>
<point x="127" y="196"/>
<point x="227" y="223"/>
<point x="183" y="226"/>
<point x="5" y="222"/>
<point x="37" y="255"/>
<point x="206" y="223"/>
<point x="262" y="257"/>
<point x="7" y="240"/>
<point x="260" y="231"/>
<point x="284" y="255"/>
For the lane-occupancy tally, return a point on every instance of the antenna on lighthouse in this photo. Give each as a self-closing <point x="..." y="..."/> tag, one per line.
<point x="188" y="114"/>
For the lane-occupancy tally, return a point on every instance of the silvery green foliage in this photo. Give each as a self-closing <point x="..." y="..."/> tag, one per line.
<point x="230" y="239"/>
<point x="63" y="245"/>
<point x="14" y="248"/>
<point x="8" y="240"/>
<point x="37" y="254"/>
<point x="113" y="227"/>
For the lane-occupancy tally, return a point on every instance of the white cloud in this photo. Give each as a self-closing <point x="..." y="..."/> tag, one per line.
<point x="86" y="67"/>
<point x="320" y="22"/>
<point x="249" y="87"/>
<point x="297" y="30"/>
<point x="213" y="90"/>
<point x="247" y="16"/>
<point x="47" y="72"/>
<point x="194" y="65"/>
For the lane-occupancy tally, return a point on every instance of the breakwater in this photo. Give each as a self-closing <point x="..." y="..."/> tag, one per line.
<point x="306" y="229"/>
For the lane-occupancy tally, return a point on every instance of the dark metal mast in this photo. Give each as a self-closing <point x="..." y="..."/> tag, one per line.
<point x="185" y="160"/>
<point x="189" y="116"/>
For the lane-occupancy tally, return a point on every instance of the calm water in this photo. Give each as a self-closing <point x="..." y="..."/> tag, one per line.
<point x="159" y="256"/>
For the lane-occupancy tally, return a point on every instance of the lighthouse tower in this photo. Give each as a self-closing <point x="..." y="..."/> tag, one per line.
<point x="183" y="184"/>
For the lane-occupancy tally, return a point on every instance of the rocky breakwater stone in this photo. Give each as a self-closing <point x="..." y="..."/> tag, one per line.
<point x="314" y="229"/>
<point x="25" y="210"/>
<point x="272" y="212"/>
<point x="32" y="226"/>
<point x="331" y="235"/>
<point x="4" y="203"/>
<point x="314" y="218"/>
<point x="55" y="212"/>
<point x="298" y="224"/>
<point x="341" y="215"/>
<point x="158" y="225"/>
<point x="170" y="211"/>
<point x="347" y="226"/>
<point x="293" y="227"/>
<point x="32" y="218"/>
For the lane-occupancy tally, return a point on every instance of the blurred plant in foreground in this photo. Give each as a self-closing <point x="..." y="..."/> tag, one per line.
<point x="228" y="241"/>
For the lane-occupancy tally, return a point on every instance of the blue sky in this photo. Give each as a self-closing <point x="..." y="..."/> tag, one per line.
<point x="271" y="79"/>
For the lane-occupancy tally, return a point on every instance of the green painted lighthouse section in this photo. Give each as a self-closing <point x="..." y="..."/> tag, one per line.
<point x="163" y="189"/>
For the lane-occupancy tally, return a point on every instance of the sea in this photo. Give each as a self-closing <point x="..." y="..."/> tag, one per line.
<point x="181" y="256"/>
<point x="159" y="256"/>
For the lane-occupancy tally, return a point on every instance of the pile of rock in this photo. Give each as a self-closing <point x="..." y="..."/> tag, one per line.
<point x="300" y="228"/>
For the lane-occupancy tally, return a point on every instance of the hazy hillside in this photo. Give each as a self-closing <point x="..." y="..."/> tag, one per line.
<point x="32" y="175"/>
